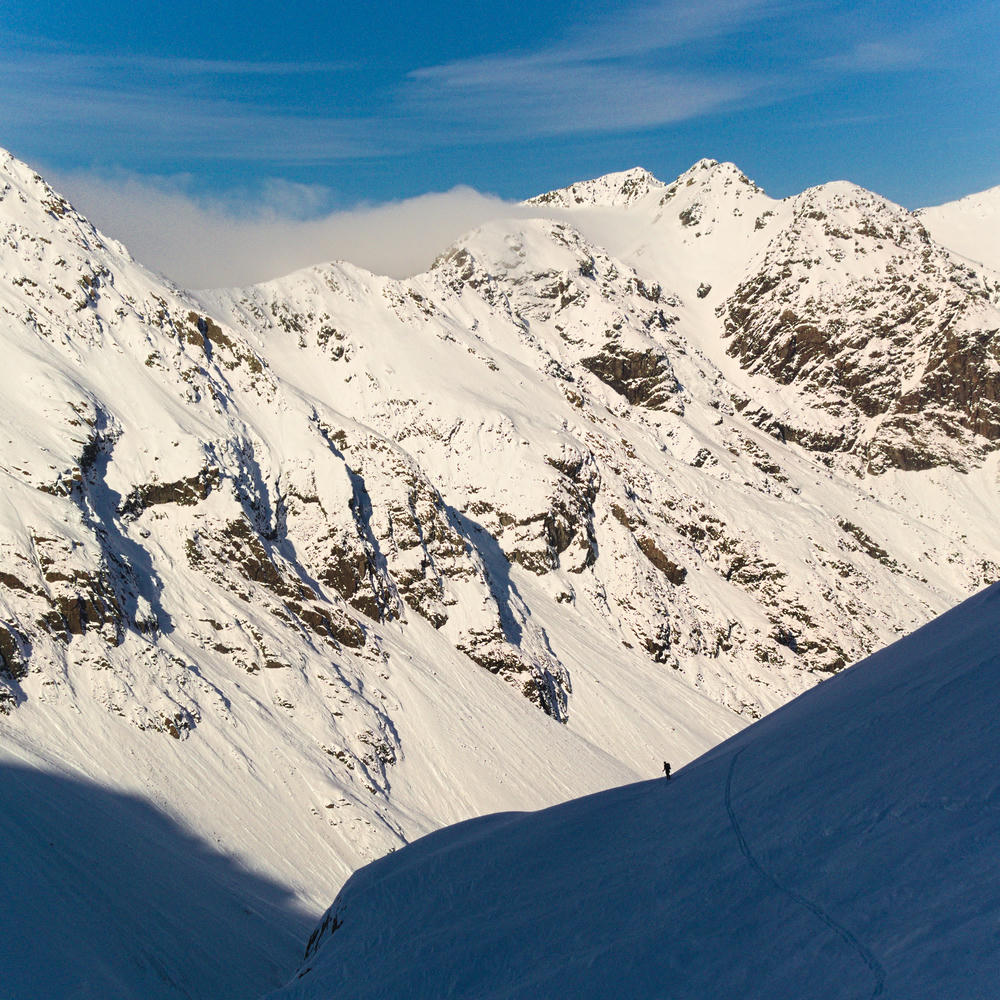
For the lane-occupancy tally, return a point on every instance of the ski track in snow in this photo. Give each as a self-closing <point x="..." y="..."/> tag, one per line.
<point x="839" y="929"/>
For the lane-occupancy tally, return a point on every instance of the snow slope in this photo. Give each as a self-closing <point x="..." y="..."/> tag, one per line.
<point x="843" y="847"/>
<point x="969" y="226"/>
<point x="106" y="895"/>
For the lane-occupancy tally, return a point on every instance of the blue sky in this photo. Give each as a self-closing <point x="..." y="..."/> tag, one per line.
<point x="308" y="108"/>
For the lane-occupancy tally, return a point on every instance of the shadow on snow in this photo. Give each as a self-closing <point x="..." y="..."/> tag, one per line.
<point x="104" y="896"/>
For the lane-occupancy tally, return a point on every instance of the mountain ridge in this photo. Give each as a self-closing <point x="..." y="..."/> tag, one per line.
<point x="363" y="556"/>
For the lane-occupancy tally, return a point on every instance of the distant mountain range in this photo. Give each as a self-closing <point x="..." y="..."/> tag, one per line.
<point x="323" y="564"/>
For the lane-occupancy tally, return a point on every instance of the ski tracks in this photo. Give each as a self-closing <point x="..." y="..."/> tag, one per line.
<point x="840" y="930"/>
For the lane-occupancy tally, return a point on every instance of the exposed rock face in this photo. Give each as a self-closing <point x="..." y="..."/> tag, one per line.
<point x="894" y="337"/>
<point x="644" y="378"/>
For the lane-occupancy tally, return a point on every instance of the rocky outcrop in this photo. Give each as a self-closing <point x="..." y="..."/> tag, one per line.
<point x="644" y="378"/>
<point x="888" y="334"/>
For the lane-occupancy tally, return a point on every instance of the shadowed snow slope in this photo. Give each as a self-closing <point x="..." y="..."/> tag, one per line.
<point x="842" y="847"/>
<point x="101" y="890"/>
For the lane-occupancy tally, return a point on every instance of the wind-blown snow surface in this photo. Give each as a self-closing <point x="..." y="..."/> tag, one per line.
<point x="843" y="847"/>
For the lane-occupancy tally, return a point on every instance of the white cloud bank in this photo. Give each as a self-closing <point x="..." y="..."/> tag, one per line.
<point x="210" y="243"/>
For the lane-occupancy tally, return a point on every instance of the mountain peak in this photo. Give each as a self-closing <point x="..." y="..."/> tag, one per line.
<point x="31" y="185"/>
<point x="713" y="173"/>
<point x="28" y="200"/>
<point x="613" y="190"/>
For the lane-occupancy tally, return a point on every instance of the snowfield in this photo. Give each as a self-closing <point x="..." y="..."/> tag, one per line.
<point x="843" y="847"/>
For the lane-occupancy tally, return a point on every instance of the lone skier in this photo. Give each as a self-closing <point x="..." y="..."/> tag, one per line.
<point x="666" y="770"/>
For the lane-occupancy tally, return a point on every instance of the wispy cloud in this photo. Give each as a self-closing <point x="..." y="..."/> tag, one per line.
<point x="41" y="57"/>
<point x="212" y="242"/>
<point x="524" y="97"/>
<point x="875" y="57"/>
<point x="643" y="66"/>
<point x="663" y="25"/>
<point x="612" y="75"/>
<point x="181" y="66"/>
<point x="150" y="108"/>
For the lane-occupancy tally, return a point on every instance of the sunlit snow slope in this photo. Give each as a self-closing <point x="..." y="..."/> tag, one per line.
<point x="970" y="226"/>
<point x="843" y="847"/>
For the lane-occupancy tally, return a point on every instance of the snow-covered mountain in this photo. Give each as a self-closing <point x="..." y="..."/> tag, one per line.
<point x="843" y="847"/>
<point x="969" y="226"/>
<point x="877" y="342"/>
<point x="317" y="566"/>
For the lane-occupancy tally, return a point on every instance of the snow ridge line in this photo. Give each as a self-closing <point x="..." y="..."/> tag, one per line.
<point x="846" y="935"/>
